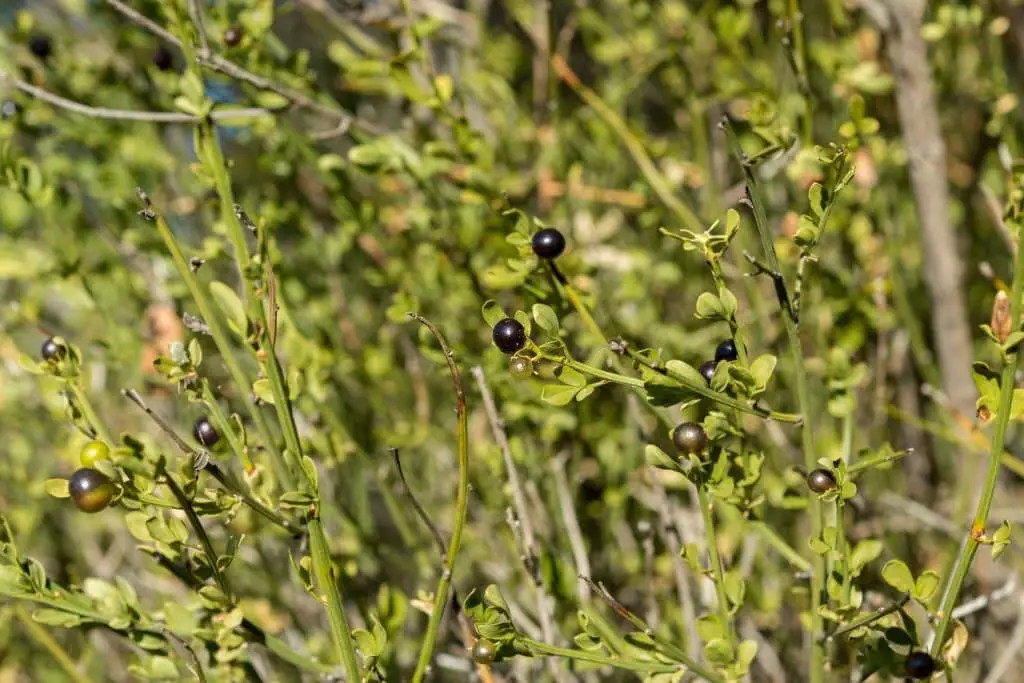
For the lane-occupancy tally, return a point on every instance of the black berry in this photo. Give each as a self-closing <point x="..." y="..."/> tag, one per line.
<point x="707" y="370"/>
<point x="51" y="350"/>
<point x="163" y="58"/>
<point x="40" y="46"/>
<point x="548" y="243"/>
<point x="509" y="335"/>
<point x="690" y="438"/>
<point x="821" y="481"/>
<point x="233" y="35"/>
<point x="726" y="351"/>
<point x="484" y="651"/>
<point x="919" y="665"/>
<point x="90" y="489"/>
<point x="205" y="432"/>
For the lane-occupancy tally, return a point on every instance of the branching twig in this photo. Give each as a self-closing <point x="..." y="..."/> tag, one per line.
<point x="127" y="114"/>
<point x="461" y="504"/>
<point x="442" y="548"/>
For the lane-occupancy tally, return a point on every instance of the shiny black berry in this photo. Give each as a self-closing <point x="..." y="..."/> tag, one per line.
<point x="52" y="350"/>
<point x="726" y="351"/>
<point x="90" y="489"/>
<point x="40" y="46"/>
<point x="707" y="370"/>
<point x="233" y="35"/>
<point x="509" y="335"/>
<point x="919" y="665"/>
<point x="548" y="243"/>
<point x="484" y="651"/>
<point x="690" y="438"/>
<point x="205" y="432"/>
<point x="821" y="481"/>
<point x="163" y="58"/>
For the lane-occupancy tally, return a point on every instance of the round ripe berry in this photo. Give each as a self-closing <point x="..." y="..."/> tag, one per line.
<point x="509" y="335"/>
<point x="919" y="665"/>
<point x="8" y="109"/>
<point x="726" y="351"/>
<point x="707" y="370"/>
<point x="233" y="35"/>
<point x="163" y="58"/>
<point x="205" y="432"/>
<point x="484" y="651"/>
<point x="40" y="46"/>
<point x="690" y="438"/>
<point x="821" y="481"/>
<point x="51" y="350"/>
<point x="521" y="368"/>
<point x="93" y="452"/>
<point x="548" y="243"/>
<point x="90" y="489"/>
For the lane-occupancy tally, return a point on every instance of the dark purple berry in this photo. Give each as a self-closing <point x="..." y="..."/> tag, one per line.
<point x="205" y="433"/>
<point x="52" y="351"/>
<point x="40" y="46"/>
<point x="163" y="58"/>
<point x="690" y="438"/>
<point x="233" y="35"/>
<point x="90" y="489"/>
<point x="548" y="243"/>
<point x="726" y="351"/>
<point x="707" y="370"/>
<point x="919" y="665"/>
<point x="821" y="481"/>
<point x="509" y="335"/>
<point x="8" y="109"/>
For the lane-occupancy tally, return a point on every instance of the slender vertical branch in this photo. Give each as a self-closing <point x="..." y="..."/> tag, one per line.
<point x="717" y="569"/>
<point x="213" y="321"/>
<point x="461" y="505"/>
<point x="50" y="644"/>
<point x="90" y="414"/>
<point x="197" y="527"/>
<point x="977" y="531"/>
<point x="327" y="583"/>
<point x="817" y="651"/>
<point x="519" y="501"/>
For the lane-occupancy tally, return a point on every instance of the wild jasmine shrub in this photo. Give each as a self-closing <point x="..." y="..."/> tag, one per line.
<point x="509" y="341"/>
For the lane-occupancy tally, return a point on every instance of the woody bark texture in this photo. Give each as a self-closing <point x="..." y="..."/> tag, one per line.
<point x="919" y="119"/>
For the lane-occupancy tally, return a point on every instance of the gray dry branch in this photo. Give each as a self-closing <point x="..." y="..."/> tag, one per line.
<point x="919" y="120"/>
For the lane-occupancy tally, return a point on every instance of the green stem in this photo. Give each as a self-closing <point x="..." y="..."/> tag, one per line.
<point x="197" y="527"/>
<point x="90" y="413"/>
<point x="870" y="618"/>
<point x="792" y="556"/>
<point x="461" y="504"/>
<point x="50" y="644"/>
<point x="666" y="648"/>
<point x="223" y="423"/>
<point x="840" y="504"/>
<point x="588" y="656"/>
<point x="797" y="23"/>
<point x="977" y="530"/>
<point x="228" y="482"/>
<point x="220" y="338"/>
<point x="635" y="147"/>
<point x="817" y="651"/>
<point x="717" y="570"/>
<point x="699" y="388"/>
<point x="331" y="597"/>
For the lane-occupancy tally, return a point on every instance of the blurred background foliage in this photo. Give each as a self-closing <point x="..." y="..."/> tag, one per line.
<point x="599" y="117"/>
